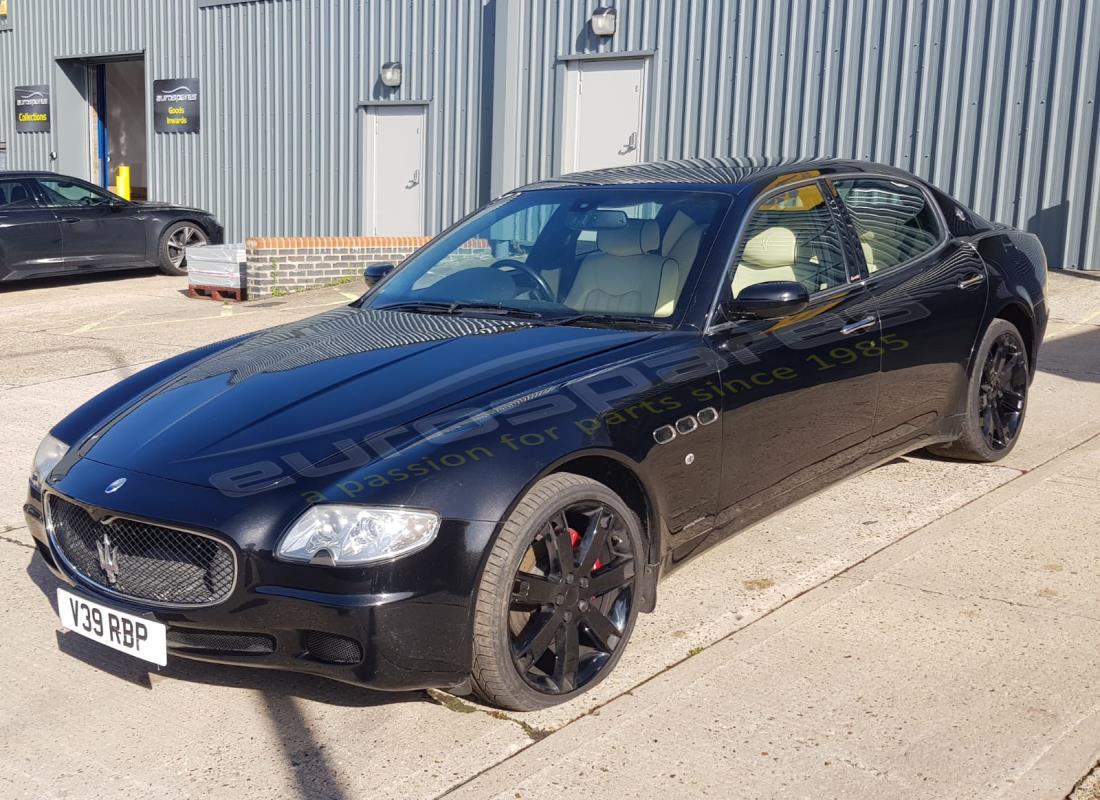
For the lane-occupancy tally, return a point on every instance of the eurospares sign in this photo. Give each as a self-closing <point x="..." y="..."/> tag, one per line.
<point x="176" y="105"/>
<point x="32" y="108"/>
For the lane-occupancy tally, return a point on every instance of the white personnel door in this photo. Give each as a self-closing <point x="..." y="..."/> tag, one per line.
<point x="393" y="180"/>
<point x="604" y="111"/>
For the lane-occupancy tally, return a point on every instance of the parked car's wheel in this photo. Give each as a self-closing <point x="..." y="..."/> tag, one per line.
<point x="558" y="597"/>
<point x="176" y="238"/>
<point x="996" y="397"/>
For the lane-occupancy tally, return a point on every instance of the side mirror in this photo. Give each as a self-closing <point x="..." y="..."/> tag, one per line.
<point x="375" y="273"/>
<point x="769" y="300"/>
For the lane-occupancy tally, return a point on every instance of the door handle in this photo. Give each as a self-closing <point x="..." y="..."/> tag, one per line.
<point x="414" y="180"/>
<point x="631" y="144"/>
<point x="70" y="219"/>
<point x="974" y="280"/>
<point x="860" y="325"/>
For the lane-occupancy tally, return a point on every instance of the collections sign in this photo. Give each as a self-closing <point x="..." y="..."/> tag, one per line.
<point x="32" y="108"/>
<point x="176" y="105"/>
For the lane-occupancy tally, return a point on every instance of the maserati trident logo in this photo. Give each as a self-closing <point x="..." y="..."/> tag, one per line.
<point x="108" y="558"/>
<point x="114" y="486"/>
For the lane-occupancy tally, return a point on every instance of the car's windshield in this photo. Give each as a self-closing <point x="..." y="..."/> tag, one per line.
<point x="581" y="253"/>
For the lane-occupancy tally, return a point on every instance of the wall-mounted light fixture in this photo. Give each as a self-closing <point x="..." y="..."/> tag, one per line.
<point x="391" y="73"/>
<point x="603" y="22"/>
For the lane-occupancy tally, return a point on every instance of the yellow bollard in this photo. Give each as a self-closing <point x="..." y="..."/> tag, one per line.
<point x="122" y="182"/>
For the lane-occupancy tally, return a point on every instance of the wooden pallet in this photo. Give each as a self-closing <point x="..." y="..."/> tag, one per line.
<point x="219" y="293"/>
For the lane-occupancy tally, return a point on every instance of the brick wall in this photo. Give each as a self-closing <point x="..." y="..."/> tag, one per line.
<point x="282" y="264"/>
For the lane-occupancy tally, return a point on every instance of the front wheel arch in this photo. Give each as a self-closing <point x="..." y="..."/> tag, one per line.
<point x="622" y="477"/>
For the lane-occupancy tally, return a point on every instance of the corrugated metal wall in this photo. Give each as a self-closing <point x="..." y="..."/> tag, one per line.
<point x="281" y="84"/>
<point x="996" y="101"/>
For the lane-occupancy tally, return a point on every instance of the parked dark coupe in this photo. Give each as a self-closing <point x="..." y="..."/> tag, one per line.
<point x="55" y="225"/>
<point x="474" y="476"/>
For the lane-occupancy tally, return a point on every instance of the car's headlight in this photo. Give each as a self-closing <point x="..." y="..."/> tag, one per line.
<point x="353" y="535"/>
<point x="49" y="453"/>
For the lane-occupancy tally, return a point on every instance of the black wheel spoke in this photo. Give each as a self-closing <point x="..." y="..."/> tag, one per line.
<point x="534" y="590"/>
<point x="602" y="630"/>
<point x="537" y="636"/>
<point x="595" y="537"/>
<point x="562" y="545"/>
<point x="567" y="653"/>
<point x="611" y="578"/>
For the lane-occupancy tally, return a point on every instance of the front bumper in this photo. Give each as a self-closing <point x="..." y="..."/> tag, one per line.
<point x="396" y="626"/>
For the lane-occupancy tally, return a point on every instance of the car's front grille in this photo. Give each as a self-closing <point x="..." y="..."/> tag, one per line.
<point x="141" y="560"/>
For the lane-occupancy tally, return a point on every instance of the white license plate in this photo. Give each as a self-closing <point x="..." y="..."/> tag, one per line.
<point x="124" y="632"/>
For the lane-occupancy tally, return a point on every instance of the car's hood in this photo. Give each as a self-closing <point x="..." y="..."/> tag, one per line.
<point x="311" y="388"/>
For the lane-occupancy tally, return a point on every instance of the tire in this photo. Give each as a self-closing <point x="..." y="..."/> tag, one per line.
<point x="996" y="398"/>
<point x="176" y="236"/>
<point x="513" y="614"/>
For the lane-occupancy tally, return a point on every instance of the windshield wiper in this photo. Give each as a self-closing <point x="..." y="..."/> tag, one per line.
<point x="433" y="307"/>
<point x="611" y="321"/>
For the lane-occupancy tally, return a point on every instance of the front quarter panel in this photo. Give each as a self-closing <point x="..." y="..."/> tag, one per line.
<point x="475" y="462"/>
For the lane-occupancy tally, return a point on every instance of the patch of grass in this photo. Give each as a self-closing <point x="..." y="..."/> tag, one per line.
<point x="452" y="703"/>
<point x="342" y="281"/>
<point x="532" y="732"/>
<point x="279" y="291"/>
<point x="696" y="651"/>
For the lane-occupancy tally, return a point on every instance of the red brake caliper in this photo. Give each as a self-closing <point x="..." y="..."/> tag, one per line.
<point x="575" y="541"/>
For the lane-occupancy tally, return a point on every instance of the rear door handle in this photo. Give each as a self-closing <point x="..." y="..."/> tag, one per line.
<point x="859" y="326"/>
<point x="70" y="219"/>
<point x="974" y="280"/>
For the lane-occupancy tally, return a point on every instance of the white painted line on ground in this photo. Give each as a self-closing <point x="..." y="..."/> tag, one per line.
<point x="96" y="323"/>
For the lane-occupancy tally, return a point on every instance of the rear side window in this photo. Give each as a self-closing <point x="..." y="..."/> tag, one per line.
<point x="894" y="220"/>
<point x="792" y="237"/>
<point x="15" y="194"/>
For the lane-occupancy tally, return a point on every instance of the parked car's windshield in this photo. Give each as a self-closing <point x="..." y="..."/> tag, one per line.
<point x="594" y="252"/>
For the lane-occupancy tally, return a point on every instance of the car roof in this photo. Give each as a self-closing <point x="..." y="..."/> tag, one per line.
<point x="27" y="173"/>
<point x="729" y="172"/>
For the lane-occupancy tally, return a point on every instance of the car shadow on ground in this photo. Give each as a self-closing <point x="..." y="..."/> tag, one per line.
<point x="1076" y="356"/>
<point x="276" y="685"/>
<point x="76" y="279"/>
<point x="280" y="695"/>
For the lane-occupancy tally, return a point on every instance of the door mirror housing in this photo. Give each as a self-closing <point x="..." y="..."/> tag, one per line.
<point x="376" y="272"/>
<point x="768" y="300"/>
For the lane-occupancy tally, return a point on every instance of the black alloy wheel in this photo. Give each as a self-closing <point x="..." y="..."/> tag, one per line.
<point x="571" y="598"/>
<point x="996" y="397"/>
<point x="558" y="598"/>
<point x="1003" y="391"/>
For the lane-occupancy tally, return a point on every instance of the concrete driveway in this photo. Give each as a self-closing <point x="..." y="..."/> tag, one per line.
<point x="930" y="629"/>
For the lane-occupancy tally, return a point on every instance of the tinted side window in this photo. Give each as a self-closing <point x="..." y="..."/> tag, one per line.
<point x="894" y="220"/>
<point x="15" y="194"/>
<point x="792" y="237"/>
<point x="61" y="192"/>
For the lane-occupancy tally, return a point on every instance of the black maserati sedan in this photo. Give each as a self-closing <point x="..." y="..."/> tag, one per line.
<point x="51" y="225"/>
<point x="473" y="476"/>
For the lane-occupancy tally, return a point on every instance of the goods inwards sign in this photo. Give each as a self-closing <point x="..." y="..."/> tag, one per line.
<point x="176" y="105"/>
<point x="32" y="108"/>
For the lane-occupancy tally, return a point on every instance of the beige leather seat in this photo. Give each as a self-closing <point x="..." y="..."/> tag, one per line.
<point x="625" y="275"/>
<point x="681" y="244"/>
<point x="869" y="256"/>
<point x="768" y="256"/>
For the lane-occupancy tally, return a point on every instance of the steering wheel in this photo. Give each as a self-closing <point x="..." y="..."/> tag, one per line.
<point x="538" y="282"/>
